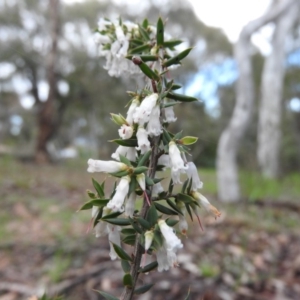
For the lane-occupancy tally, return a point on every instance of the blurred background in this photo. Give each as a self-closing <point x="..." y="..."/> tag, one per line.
<point x="55" y="105"/>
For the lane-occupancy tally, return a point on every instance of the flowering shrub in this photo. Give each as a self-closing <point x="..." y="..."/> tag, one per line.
<point x="145" y="147"/>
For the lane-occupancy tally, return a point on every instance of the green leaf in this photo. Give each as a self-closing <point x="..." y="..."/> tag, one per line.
<point x="152" y="215"/>
<point x="180" y="97"/>
<point x="127" y="280"/>
<point x="146" y="69"/>
<point x="139" y="170"/>
<point x="144" y="58"/>
<point x="112" y="215"/>
<point x="145" y="224"/>
<point x="135" y="226"/>
<point x="184" y="186"/>
<point x="175" y="60"/>
<point x="107" y="296"/>
<point x="171" y="222"/>
<point x="125" y="265"/>
<point x="160" y="32"/>
<point x="132" y="185"/>
<point x="149" y="267"/>
<point x="125" y="160"/>
<point x="121" y="253"/>
<point x="129" y="239"/>
<point x="188" y="140"/>
<point x="165" y="210"/>
<point x="166" y="135"/>
<point x="189" y="187"/>
<point x="178" y="135"/>
<point x="171" y="185"/>
<point x="120" y="173"/>
<point x="98" y="217"/>
<point x="188" y="209"/>
<point x="118" y="221"/>
<point x="144" y="158"/>
<point x="172" y="43"/>
<point x="144" y="33"/>
<point x="176" y="87"/>
<point x="185" y="198"/>
<point x="128" y="231"/>
<point x="173" y="205"/>
<point x="143" y="289"/>
<point x="126" y="143"/>
<point x="168" y="104"/>
<point x="149" y="181"/>
<point x="98" y="188"/>
<point x="139" y="49"/>
<point x="145" y="23"/>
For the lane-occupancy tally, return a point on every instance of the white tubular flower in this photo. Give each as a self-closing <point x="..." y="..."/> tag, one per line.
<point x="95" y="210"/>
<point x="164" y="160"/>
<point x="157" y="189"/>
<point x="149" y="235"/>
<point x="165" y="258"/>
<point x="125" y="132"/>
<point x="129" y="205"/>
<point x="142" y="139"/>
<point x="113" y="237"/>
<point x="134" y="104"/>
<point x="142" y="113"/>
<point x="192" y="172"/>
<point x="173" y="243"/>
<point x="101" y="227"/>
<point x="154" y="127"/>
<point x="162" y="259"/>
<point x="116" y="203"/>
<point x="205" y="203"/>
<point x="169" y="115"/>
<point x="176" y="160"/>
<point x="141" y="180"/>
<point x="128" y="152"/>
<point x="105" y="166"/>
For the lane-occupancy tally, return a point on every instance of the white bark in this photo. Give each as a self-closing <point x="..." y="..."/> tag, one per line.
<point x="269" y="132"/>
<point x="227" y="171"/>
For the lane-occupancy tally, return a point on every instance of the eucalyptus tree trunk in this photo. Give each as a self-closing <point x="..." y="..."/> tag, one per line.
<point x="227" y="170"/>
<point x="269" y="131"/>
<point x="46" y="111"/>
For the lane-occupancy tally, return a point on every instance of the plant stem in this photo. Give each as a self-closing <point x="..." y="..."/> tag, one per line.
<point x="127" y="293"/>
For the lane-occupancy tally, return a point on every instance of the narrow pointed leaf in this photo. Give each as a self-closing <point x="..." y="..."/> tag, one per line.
<point x="171" y="185"/>
<point x="145" y="224"/>
<point x="128" y="231"/>
<point x="188" y="209"/>
<point x="126" y="143"/>
<point x="118" y="221"/>
<point x="121" y="253"/>
<point x="144" y="58"/>
<point x="144" y="158"/>
<point x="135" y="226"/>
<point x="149" y="267"/>
<point x="98" y="188"/>
<point x="139" y="170"/>
<point x="129" y="239"/>
<point x="177" y="58"/>
<point x="160" y="32"/>
<point x="144" y="33"/>
<point x="146" y="70"/>
<point x="120" y="173"/>
<point x="125" y="160"/>
<point x="180" y="97"/>
<point x="188" y="140"/>
<point x="125" y="265"/>
<point x="152" y="215"/>
<point x="112" y="215"/>
<point x="107" y="296"/>
<point x="143" y="289"/>
<point x="172" y="43"/>
<point x="185" y="198"/>
<point x="171" y="222"/>
<point x="184" y="186"/>
<point x="165" y="210"/>
<point x="173" y="205"/>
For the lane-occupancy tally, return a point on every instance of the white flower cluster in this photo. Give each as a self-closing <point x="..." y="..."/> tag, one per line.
<point x="113" y="40"/>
